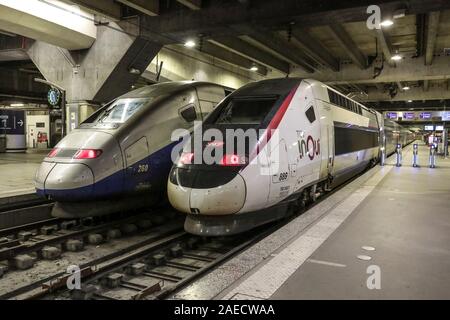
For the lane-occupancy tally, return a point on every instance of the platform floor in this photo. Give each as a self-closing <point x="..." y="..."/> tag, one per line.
<point x="17" y="171"/>
<point x="406" y="218"/>
<point x="402" y="213"/>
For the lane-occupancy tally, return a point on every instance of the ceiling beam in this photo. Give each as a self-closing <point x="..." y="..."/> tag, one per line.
<point x="415" y="93"/>
<point x="105" y="8"/>
<point x="432" y="29"/>
<point x="248" y="51"/>
<point x="345" y="41"/>
<point x="426" y="85"/>
<point x="420" y="34"/>
<point x="279" y="46"/>
<point x="191" y="4"/>
<point x="407" y="70"/>
<point x="315" y="49"/>
<point x="230" y="57"/>
<point x="219" y="16"/>
<point x="379" y="86"/>
<point x="149" y="7"/>
<point x="386" y="46"/>
<point x="406" y="106"/>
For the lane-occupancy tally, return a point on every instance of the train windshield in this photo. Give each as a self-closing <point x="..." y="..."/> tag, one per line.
<point x="248" y="111"/>
<point x="121" y="110"/>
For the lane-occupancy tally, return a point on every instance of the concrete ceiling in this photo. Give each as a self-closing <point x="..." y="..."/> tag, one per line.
<point x="319" y="39"/>
<point x="326" y="40"/>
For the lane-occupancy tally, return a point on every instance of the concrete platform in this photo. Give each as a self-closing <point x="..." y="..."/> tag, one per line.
<point x="396" y="217"/>
<point x="17" y="172"/>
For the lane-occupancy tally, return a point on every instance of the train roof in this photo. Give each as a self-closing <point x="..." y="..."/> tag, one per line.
<point x="164" y="88"/>
<point x="279" y="86"/>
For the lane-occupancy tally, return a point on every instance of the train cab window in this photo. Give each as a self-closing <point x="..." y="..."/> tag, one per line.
<point x="310" y="114"/>
<point x="188" y="113"/>
<point x="120" y="111"/>
<point x="250" y="111"/>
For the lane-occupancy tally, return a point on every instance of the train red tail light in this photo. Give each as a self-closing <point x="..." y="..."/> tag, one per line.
<point x="186" y="158"/>
<point x="231" y="160"/>
<point x="53" y="153"/>
<point x="87" y="154"/>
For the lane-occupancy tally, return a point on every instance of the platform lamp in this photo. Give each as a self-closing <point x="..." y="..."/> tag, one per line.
<point x="63" y="102"/>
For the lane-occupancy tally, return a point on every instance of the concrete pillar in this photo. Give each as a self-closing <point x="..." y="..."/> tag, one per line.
<point x="101" y="73"/>
<point x="77" y="112"/>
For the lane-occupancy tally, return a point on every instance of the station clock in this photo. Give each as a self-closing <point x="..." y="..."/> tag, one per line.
<point x="54" y="97"/>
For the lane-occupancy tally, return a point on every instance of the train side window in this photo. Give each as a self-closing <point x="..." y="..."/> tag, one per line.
<point x="310" y="114"/>
<point x="188" y="113"/>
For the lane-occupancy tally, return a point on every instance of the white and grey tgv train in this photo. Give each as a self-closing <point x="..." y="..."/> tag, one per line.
<point x="322" y="139"/>
<point x="120" y="157"/>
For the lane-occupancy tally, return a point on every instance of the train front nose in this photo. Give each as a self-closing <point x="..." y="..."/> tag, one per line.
<point x="206" y="192"/>
<point x="67" y="173"/>
<point x="64" y="181"/>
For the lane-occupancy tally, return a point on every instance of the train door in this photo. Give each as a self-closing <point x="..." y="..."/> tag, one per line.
<point x="326" y="140"/>
<point x="137" y="167"/>
<point x="280" y="172"/>
<point x="327" y="166"/>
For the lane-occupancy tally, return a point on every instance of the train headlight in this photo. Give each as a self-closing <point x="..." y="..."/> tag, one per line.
<point x="231" y="160"/>
<point x="53" y="153"/>
<point x="87" y="154"/>
<point x="186" y="158"/>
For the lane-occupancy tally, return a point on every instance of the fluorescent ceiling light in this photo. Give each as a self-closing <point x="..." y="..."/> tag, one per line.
<point x="254" y="68"/>
<point x="396" y="57"/>
<point x="406" y="88"/>
<point x="134" y="71"/>
<point x="190" y="44"/>
<point x="386" y="23"/>
<point x="17" y="105"/>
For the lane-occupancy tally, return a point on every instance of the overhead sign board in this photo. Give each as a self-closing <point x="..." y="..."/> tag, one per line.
<point x="392" y="115"/>
<point x="12" y="121"/>
<point x="425" y="115"/>
<point x="409" y="115"/>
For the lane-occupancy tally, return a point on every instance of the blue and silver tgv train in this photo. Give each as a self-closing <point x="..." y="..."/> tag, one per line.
<point x="120" y="157"/>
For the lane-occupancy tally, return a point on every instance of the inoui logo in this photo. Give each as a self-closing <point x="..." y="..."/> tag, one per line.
<point x="74" y="280"/>
<point x="374" y="20"/>
<point x="374" y="280"/>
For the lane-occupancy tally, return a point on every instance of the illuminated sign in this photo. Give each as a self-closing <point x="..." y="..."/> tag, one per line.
<point x="12" y="122"/>
<point x="425" y="115"/>
<point x="439" y="128"/>
<point x="391" y="115"/>
<point x="429" y="128"/>
<point x="409" y="115"/>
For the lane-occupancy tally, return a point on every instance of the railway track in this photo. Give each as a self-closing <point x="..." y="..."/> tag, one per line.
<point x="25" y="246"/>
<point x="23" y="204"/>
<point x="150" y="271"/>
